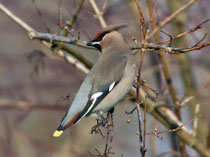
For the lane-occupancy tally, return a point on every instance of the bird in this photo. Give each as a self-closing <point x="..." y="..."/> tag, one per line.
<point x="107" y="83"/>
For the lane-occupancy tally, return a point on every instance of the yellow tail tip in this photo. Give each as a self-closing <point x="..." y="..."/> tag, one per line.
<point x="57" y="133"/>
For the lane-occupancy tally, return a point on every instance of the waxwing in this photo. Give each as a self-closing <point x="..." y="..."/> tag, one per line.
<point x="107" y="83"/>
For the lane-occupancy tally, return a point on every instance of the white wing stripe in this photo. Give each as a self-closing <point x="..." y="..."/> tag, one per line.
<point x="96" y="95"/>
<point x="111" y="86"/>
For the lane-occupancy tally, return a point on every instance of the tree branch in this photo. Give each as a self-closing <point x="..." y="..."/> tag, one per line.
<point x="69" y="58"/>
<point x="171" y="17"/>
<point x="98" y="13"/>
<point x="162" y="114"/>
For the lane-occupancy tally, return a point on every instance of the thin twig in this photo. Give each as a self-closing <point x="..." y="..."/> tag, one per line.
<point x="202" y="88"/>
<point x="151" y="12"/>
<point x="60" y="15"/>
<point x="169" y="119"/>
<point x="141" y="19"/>
<point x="171" y="17"/>
<point x="171" y="50"/>
<point x="145" y="125"/>
<point x="74" y="17"/>
<point x="175" y="129"/>
<point x="69" y="58"/>
<point x="99" y="14"/>
<point x="195" y="124"/>
<point x="43" y="19"/>
<point x="143" y="28"/>
<point x="142" y="151"/>
<point x="184" y="33"/>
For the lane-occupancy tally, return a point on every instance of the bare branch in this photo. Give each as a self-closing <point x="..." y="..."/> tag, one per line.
<point x="99" y="14"/>
<point x="184" y="33"/>
<point x="79" y="7"/>
<point x="168" y="19"/>
<point x="69" y="58"/>
<point x="171" y="50"/>
<point x="50" y="37"/>
<point x="141" y="19"/>
<point x="169" y="119"/>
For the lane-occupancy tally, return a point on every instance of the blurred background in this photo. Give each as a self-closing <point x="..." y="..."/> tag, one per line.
<point x="29" y="78"/>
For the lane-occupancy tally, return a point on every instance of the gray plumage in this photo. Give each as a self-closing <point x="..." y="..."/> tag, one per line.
<point x="116" y="66"/>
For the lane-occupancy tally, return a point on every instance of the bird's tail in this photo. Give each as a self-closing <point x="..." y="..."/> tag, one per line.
<point x="65" y="124"/>
<point x="58" y="132"/>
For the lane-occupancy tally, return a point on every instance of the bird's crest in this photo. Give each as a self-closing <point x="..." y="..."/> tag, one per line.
<point x="99" y="36"/>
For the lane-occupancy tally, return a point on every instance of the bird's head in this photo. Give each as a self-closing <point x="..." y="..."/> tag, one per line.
<point x="104" y="36"/>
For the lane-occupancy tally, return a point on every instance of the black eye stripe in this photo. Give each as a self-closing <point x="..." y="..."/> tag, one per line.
<point x="101" y="37"/>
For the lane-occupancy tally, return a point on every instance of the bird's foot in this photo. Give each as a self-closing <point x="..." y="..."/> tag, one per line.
<point x="96" y="129"/>
<point x="104" y="120"/>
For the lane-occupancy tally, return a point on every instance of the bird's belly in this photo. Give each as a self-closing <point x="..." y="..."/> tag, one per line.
<point x="116" y="95"/>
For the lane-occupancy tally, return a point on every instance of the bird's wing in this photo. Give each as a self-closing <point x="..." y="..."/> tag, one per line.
<point x="105" y="76"/>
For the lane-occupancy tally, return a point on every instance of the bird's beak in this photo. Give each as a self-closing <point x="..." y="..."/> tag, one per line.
<point x="93" y="43"/>
<point x="90" y="43"/>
